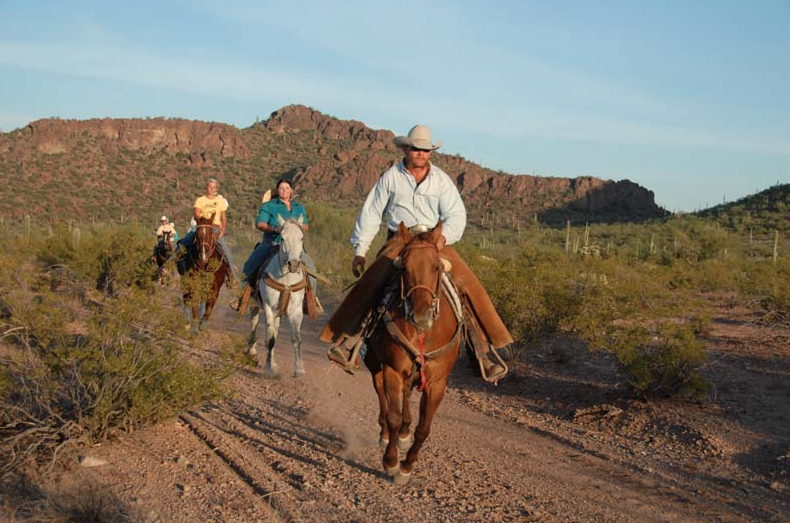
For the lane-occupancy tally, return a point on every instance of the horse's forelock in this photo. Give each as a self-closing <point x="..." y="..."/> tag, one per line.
<point x="418" y="247"/>
<point x="419" y="242"/>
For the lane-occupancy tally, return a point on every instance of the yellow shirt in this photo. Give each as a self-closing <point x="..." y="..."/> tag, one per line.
<point x="207" y="206"/>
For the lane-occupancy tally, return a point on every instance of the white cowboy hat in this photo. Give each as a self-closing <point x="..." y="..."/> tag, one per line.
<point x="419" y="137"/>
<point x="163" y="218"/>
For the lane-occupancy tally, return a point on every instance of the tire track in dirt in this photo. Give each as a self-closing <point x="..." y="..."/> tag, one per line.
<point x="260" y="481"/>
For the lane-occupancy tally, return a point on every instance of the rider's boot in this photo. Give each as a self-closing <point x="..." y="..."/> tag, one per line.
<point x="241" y="301"/>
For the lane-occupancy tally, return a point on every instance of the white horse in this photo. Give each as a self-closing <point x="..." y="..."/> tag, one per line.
<point x="284" y="278"/>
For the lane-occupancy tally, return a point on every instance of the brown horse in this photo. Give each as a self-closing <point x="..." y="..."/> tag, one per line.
<point x="413" y="346"/>
<point x="206" y="272"/>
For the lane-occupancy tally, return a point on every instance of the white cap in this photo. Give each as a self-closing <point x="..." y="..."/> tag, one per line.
<point x="163" y="218"/>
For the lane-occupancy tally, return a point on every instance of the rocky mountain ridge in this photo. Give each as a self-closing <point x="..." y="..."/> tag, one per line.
<point x="93" y="168"/>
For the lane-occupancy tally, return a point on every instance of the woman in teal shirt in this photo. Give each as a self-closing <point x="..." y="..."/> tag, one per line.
<point x="267" y="222"/>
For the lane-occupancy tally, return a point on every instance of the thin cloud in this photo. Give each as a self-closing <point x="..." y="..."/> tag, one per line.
<point x="461" y="111"/>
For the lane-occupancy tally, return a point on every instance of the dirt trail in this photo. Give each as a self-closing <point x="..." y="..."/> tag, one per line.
<point x="310" y="447"/>
<point x="289" y="449"/>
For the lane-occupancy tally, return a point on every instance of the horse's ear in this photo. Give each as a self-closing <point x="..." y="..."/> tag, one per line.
<point x="436" y="234"/>
<point x="280" y="220"/>
<point x="211" y="218"/>
<point x="300" y="220"/>
<point x="403" y="232"/>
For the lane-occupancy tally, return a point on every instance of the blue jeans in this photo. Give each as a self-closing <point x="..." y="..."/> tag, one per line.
<point x="187" y="240"/>
<point x="256" y="259"/>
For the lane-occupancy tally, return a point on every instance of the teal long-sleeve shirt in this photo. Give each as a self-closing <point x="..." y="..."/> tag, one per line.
<point x="270" y="210"/>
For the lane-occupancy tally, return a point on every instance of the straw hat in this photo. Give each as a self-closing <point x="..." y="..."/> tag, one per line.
<point x="419" y="137"/>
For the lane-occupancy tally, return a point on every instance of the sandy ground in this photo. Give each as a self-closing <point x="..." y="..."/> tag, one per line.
<point x="557" y="440"/>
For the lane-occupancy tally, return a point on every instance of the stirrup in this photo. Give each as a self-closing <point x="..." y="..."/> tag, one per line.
<point x="495" y="370"/>
<point x="340" y="357"/>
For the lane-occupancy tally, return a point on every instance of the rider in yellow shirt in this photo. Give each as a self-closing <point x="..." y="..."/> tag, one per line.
<point x="206" y="205"/>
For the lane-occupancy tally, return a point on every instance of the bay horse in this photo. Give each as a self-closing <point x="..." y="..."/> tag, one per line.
<point x="206" y="272"/>
<point x="281" y="290"/>
<point x="413" y="346"/>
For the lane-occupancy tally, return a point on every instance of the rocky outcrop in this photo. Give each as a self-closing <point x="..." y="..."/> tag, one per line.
<point x="299" y="118"/>
<point x="329" y="160"/>
<point x="55" y="136"/>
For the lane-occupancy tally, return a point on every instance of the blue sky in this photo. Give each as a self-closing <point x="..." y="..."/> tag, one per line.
<point x="690" y="99"/>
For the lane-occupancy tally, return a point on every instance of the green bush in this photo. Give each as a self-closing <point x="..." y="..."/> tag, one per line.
<point x="110" y="256"/>
<point x="74" y="368"/>
<point x="668" y="368"/>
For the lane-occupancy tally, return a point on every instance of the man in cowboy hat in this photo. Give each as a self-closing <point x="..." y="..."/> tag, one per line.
<point x="419" y="194"/>
<point x="164" y="227"/>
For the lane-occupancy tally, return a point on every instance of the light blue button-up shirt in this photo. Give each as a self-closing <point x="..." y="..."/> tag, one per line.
<point x="397" y="197"/>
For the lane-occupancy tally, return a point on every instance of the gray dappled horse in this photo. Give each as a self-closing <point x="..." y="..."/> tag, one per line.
<point x="285" y="272"/>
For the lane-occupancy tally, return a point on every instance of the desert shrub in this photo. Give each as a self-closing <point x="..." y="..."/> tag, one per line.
<point x="647" y="327"/>
<point x="109" y="256"/>
<point x="75" y="369"/>
<point x="86" y="502"/>
<point x="533" y="291"/>
<point x="668" y="367"/>
<point x="614" y="306"/>
<point x="771" y="291"/>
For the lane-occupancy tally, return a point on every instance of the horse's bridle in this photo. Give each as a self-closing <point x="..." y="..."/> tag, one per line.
<point x="435" y="293"/>
<point x="204" y="245"/>
<point x="283" y="261"/>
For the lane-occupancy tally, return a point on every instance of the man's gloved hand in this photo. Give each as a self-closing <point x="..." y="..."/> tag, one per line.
<point x="358" y="265"/>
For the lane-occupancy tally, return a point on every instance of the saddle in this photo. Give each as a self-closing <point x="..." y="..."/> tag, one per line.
<point x="311" y="306"/>
<point x="468" y="328"/>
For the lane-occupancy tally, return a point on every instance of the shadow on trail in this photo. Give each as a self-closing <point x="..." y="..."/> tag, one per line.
<point x="286" y="423"/>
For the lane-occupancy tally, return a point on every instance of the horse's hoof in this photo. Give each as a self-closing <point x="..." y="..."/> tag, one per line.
<point x="383" y="444"/>
<point x="404" y="443"/>
<point x="299" y="373"/>
<point x="269" y="372"/>
<point x="392" y="471"/>
<point x="252" y="351"/>
<point x="401" y="478"/>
